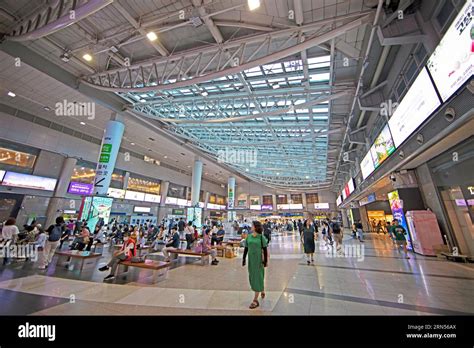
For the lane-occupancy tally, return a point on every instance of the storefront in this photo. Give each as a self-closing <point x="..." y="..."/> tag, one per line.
<point x="452" y="173"/>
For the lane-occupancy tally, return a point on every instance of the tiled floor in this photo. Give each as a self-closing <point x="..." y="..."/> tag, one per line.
<point x="375" y="280"/>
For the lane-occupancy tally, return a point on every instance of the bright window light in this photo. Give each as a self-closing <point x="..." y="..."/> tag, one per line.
<point x="151" y="36"/>
<point x="253" y="4"/>
<point x="87" y="57"/>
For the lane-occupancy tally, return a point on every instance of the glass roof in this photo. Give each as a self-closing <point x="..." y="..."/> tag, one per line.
<point x="262" y="125"/>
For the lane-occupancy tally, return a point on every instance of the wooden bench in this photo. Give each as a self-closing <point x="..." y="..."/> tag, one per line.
<point x="204" y="256"/>
<point x="159" y="268"/>
<point x="220" y="249"/>
<point x="85" y="260"/>
<point x="233" y="243"/>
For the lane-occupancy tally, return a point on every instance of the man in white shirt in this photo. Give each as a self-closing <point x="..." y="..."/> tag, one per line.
<point x="9" y="234"/>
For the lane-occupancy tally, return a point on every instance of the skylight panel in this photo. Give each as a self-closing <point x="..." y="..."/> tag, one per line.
<point x="321" y="110"/>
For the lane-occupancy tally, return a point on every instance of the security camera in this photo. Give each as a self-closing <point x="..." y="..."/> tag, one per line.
<point x="393" y="177"/>
<point x="401" y="154"/>
<point x="449" y="114"/>
<point x="420" y="139"/>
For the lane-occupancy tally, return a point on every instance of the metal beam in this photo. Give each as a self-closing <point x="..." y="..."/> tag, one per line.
<point x="65" y="21"/>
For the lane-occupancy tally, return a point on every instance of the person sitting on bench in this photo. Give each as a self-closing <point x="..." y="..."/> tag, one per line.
<point x="206" y="247"/>
<point x="172" y="244"/>
<point x="218" y="237"/>
<point x="189" y="235"/>
<point x="128" y="250"/>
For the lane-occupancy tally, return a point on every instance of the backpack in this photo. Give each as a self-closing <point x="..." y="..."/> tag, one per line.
<point x="336" y="228"/>
<point x="55" y="233"/>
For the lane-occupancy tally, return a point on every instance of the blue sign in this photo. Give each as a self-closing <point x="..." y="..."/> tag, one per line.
<point x="372" y="197"/>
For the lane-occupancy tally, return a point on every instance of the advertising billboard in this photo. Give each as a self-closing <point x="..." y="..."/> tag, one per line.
<point x="367" y="165"/>
<point x="418" y="104"/>
<point x="80" y="188"/>
<point x="396" y="206"/>
<point x="29" y="181"/>
<point x="383" y="147"/>
<point x="452" y="62"/>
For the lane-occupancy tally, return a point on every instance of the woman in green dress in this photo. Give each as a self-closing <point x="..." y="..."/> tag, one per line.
<point x="255" y="243"/>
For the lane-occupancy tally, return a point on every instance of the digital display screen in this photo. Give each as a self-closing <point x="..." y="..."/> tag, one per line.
<point x="80" y="188"/>
<point x="116" y="193"/>
<point x="134" y="195"/>
<point x="343" y="194"/>
<point x="171" y="200"/>
<point x="321" y="205"/>
<point x="339" y="200"/>
<point x="28" y="181"/>
<point x="367" y="165"/>
<point x="383" y="147"/>
<point x="255" y="207"/>
<point x="452" y="62"/>
<point x="351" y="185"/>
<point x="418" y="104"/>
<point x="152" y="198"/>
<point x="2" y="174"/>
<point x="194" y="215"/>
<point x="267" y="206"/>
<point x="141" y="209"/>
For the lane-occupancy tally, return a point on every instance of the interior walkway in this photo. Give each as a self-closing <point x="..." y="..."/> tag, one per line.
<point x="374" y="280"/>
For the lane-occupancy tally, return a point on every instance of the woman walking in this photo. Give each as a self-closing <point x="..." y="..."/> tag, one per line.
<point x="255" y="243"/>
<point x="308" y="236"/>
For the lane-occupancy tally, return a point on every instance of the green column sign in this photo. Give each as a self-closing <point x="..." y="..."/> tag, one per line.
<point x="105" y="153"/>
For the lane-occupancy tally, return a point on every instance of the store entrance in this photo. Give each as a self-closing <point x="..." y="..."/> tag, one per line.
<point x="460" y="210"/>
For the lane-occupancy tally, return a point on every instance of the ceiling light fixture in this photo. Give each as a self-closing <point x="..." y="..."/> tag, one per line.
<point x="46" y="108"/>
<point x="204" y="93"/>
<point x="87" y="57"/>
<point x="253" y="4"/>
<point x="82" y="123"/>
<point x="132" y="144"/>
<point x="65" y="57"/>
<point x="11" y="94"/>
<point x="151" y="36"/>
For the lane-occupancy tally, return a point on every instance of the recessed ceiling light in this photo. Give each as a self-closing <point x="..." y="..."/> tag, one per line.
<point x="87" y="57"/>
<point x="47" y="108"/>
<point x="253" y="4"/>
<point x="132" y="144"/>
<point x="189" y="166"/>
<point x="11" y="94"/>
<point x="165" y="156"/>
<point x="151" y="36"/>
<point x="82" y="123"/>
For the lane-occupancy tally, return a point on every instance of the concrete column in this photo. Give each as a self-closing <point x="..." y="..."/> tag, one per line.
<point x="363" y="218"/>
<point x="55" y="203"/>
<point x="107" y="156"/>
<point x="231" y="199"/>
<point x="305" y="204"/>
<point x="196" y="182"/>
<point x="163" y="193"/>
<point x="274" y="202"/>
<point x="126" y="177"/>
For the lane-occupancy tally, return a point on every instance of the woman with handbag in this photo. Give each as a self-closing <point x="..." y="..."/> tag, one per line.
<point x="256" y="248"/>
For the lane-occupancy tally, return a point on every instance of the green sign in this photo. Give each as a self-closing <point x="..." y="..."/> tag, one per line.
<point x="104" y="158"/>
<point x="178" y="211"/>
<point x="107" y="148"/>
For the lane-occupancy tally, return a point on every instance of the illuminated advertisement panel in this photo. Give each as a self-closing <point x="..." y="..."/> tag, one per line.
<point x="367" y="165"/>
<point x="383" y="147"/>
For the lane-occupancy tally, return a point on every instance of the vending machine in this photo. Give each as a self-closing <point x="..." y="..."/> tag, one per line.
<point x="424" y="230"/>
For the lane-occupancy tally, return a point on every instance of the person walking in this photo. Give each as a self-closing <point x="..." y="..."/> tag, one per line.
<point x="337" y="234"/>
<point x="360" y="231"/>
<point x="52" y="242"/>
<point x="399" y="233"/>
<point x="255" y="244"/>
<point x="10" y="234"/>
<point x="308" y="236"/>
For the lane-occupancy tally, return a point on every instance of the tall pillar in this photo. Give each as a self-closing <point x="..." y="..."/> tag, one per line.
<point x="231" y="199"/>
<point x="60" y="191"/>
<point x="305" y="204"/>
<point x="126" y="177"/>
<point x="163" y="193"/>
<point x="196" y="182"/>
<point x="108" y="155"/>
<point x="364" y="218"/>
<point x="206" y="200"/>
<point x="274" y="202"/>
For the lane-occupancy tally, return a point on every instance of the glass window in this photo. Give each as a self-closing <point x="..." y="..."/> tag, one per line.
<point x="221" y="200"/>
<point x="212" y="198"/>
<point x="312" y="198"/>
<point x="297" y="198"/>
<point x="177" y="191"/>
<point x="143" y="185"/>
<point x="11" y="158"/>
<point x="282" y="199"/>
<point x="267" y="200"/>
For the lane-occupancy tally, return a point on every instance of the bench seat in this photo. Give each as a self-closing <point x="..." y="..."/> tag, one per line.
<point x="159" y="268"/>
<point x="204" y="256"/>
<point x="85" y="260"/>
